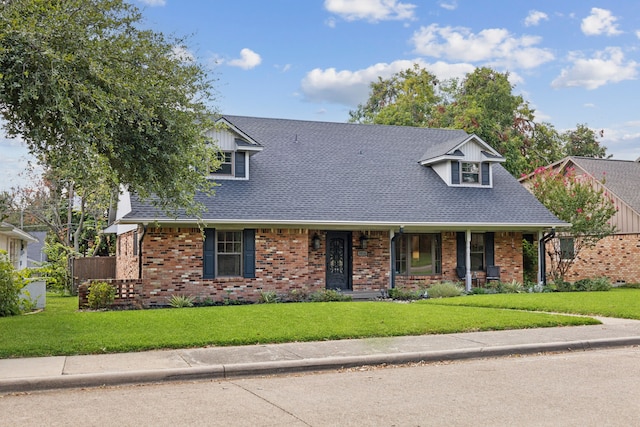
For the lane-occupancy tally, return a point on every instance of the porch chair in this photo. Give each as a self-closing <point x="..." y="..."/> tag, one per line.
<point x="493" y="273"/>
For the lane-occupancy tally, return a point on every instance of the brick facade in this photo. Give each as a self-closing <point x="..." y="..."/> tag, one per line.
<point x="616" y="257"/>
<point x="172" y="264"/>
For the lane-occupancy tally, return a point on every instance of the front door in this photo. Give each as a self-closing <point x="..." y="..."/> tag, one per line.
<point x="339" y="260"/>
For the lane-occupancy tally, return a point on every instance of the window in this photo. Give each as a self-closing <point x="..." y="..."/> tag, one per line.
<point x="226" y="164"/>
<point x="567" y="249"/>
<point x="477" y="252"/>
<point x="229" y="253"/>
<point x="470" y="173"/>
<point x="419" y="254"/>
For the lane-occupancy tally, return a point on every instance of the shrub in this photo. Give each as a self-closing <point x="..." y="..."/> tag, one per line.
<point x="512" y="287"/>
<point x="445" y="290"/>
<point x="405" y="294"/>
<point x="595" y="284"/>
<point x="268" y="297"/>
<point x="101" y="295"/>
<point x="9" y="287"/>
<point x="327" y="295"/>
<point x="297" y="295"/>
<point x="181" y="301"/>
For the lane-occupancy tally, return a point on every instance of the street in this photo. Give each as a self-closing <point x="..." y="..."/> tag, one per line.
<point x="591" y="388"/>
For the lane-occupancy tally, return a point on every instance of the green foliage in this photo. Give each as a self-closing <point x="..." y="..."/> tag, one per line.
<point x="583" y="142"/>
<point x="181" y="301"/>
<point x="27" y="303"/>
<point x="328" y="295"/>
<point x="87" y="87"/>
<point x="9" y="287"/>
<point x="512" y="287"/>
<point x="101" y="295"/>
<point x="579" y="200"/>
<point x="596" y="284"/>
<point x="268" y="297"/>
<point x="530" y="261"/>
<point x="402" y="294"/>
<point x="297" y="295"/>
<point x="445" y="290"/>
<point x="56" y="269"/>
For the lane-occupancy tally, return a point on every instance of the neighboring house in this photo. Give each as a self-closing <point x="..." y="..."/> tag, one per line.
<point x="312" y="205"/>
<point x="14" y="241"/>
<point x="618" y="256"/>
<point x="35" y="251"/>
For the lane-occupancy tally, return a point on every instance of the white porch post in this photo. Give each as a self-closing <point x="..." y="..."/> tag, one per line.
<point x="540" y="262"/>
<point x="467" y="255"/>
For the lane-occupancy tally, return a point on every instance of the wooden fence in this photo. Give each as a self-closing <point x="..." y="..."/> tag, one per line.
<point x="98" y="267"/>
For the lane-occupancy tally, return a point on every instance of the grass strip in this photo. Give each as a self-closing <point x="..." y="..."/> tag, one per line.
<point x="618" y="302"/>
<point x="63" y="330"/>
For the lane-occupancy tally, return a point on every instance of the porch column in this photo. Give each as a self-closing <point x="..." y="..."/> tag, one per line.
<point x="540" y="261"/>
<point x="467" y="255"/>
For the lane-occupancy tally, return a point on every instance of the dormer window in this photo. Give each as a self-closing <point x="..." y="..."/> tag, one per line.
<point x="226" y="164"/>
<point x="470" y="173"/>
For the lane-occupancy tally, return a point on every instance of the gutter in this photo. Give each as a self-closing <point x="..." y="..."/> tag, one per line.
<point x="542" y="254"/>
<point x="144" y="231"/>
<point x="393" y="256"/>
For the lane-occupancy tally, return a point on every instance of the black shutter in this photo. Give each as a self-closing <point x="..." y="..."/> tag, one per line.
<point x="461" y="249"/>
<point x="455" y="172"/>
<point x="209" y="254"/>
<point x="484" y="168"/>
<point x="489" y="251"/>
<point x="241" y="170"/>
<point x="249" y="242"/>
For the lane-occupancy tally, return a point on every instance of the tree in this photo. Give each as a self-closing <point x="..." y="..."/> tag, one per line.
<point x="583" y="142"/>
<point x="579" y="200"/>
<point x="89" y="90"/>
<point x="405" y="99"/>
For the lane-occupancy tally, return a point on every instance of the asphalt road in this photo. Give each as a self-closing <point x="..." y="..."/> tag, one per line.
<point x="584" y="388"/>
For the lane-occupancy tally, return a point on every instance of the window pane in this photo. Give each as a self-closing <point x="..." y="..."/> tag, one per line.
<point x="226" y="164"/>
<point x="477" y="252"/>
<point x="229" y="265"/>
<point x="418" y="254"/>
<point x="470" y="172"/>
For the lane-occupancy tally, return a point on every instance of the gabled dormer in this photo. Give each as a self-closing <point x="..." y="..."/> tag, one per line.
<point x="235" y="149"/>
<point x="466" y="162"/>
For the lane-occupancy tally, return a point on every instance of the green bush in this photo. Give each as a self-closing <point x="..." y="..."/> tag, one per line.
<point x="297" y="295"/>
<point x="512" y="287"/>
<point x="327" y="295"/>
<point x="405" y="294"/>
<point x="445" y="290"/>
<point x="592" y="285"/>
<point x="101" y="295"/>
<point x="9" y="287"/>
<point x="181" y="301"/>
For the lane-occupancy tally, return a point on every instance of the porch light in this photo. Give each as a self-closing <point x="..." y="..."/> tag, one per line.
<point x="363" y="241"/>
<point x="315" y="242"/>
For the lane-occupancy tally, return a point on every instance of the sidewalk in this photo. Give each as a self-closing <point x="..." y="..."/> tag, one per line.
<point x="43" y="373"/>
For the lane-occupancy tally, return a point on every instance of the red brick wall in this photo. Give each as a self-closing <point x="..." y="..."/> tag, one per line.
<point x="508" y="255"/>
<point x="616" y="257"/>
<point x="126" y="261"/>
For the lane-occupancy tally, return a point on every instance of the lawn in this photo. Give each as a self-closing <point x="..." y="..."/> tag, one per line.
<point x="618" y="302"/>
<point x="63" y="330"/>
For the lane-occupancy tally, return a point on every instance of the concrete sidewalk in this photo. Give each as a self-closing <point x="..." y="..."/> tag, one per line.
<point x="43" y="373"/>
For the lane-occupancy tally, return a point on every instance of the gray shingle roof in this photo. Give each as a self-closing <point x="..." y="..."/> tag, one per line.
<point x="622" y="177"/>
<point x="320" y="172"/>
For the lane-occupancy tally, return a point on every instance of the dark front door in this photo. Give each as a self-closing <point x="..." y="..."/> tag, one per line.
<point x="339" y="260"/>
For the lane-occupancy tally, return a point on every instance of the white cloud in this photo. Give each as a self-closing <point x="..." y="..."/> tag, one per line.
<point x="534" y="18"/>
<point x="351" y="88"/>
<point x="154" y="2"/>
<point x="494" y="46"/>
<point x="638" y="34"/>
<point x="623" y="141"/>
<point x="449" y="5"/>
<point x="607" y="66"/>
<point x="183" y="54"/>
<point x="371" y="10"/>
<point x="248" y="60"/>
<point x="601" y="21"/>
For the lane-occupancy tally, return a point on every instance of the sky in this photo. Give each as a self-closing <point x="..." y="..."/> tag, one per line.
<point x="574" y="61"/>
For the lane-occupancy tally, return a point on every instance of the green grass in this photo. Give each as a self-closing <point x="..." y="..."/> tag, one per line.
<point x="622" y="303"/>
<point x="63" y="330"/>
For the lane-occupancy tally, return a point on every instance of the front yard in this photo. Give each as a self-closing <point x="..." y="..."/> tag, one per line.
<point x="63" y="330"/>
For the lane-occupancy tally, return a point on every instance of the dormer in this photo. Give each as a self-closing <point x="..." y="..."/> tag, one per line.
<point x="235" y="149"/>
<point x="466" y="162"/>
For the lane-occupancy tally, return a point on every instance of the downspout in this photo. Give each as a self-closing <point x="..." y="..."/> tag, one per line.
<point x="542" y="255"/>
<point x="393" y="256"/>
<point x="467" y="258"/>
<point x="144" y="231"/>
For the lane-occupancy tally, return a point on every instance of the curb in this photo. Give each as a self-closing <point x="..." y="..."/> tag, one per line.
<point x="244" y="370"/>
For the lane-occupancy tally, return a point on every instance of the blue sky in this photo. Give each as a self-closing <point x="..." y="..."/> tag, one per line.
<point x="574" y="61"/>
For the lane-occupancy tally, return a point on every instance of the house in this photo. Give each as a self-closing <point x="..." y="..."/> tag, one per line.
<point x="616" y="257"/>
<point x="14" y="241"/>
<point x="305" y="206"/>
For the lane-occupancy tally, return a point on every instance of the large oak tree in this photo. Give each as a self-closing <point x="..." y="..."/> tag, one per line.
<point x="92" y="92"/>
